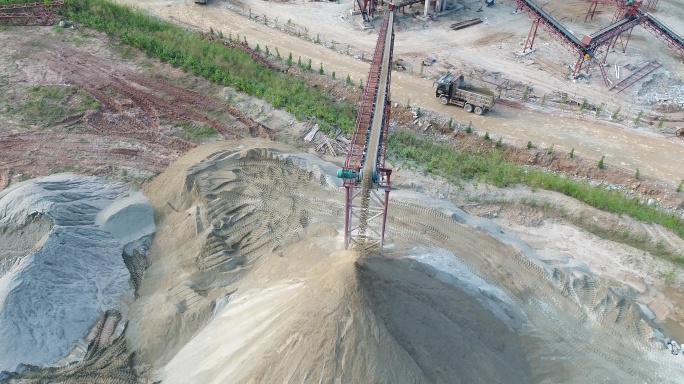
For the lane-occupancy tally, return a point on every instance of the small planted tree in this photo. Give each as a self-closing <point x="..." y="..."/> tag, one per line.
<point x="469" y="128"/>
<point x="320" y="69"/>
<point x="529" y="144"/>
<point x="638" y="117"/>
<point x="486" y="136"/>
<point x="333" y="75"/>
<point x="601" y="165"/>
<point x="572" y="153"/>
<point x="616" y="113"/>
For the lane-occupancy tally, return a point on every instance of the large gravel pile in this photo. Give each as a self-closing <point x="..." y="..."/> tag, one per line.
<point x="62" y="239"/>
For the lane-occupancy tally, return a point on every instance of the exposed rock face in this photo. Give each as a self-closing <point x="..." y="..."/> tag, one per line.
<point x="63" y="239"/>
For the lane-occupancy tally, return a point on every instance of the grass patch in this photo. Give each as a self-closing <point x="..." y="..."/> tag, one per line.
<point x="47" y="105"/>
<point x="213" y="61"/>
<point x="491" y="166"/>
<point x="195" y="133"/>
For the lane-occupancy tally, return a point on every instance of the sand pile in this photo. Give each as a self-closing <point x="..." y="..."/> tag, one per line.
<point x="249" y="283"/>
<point x="63" y="240"/>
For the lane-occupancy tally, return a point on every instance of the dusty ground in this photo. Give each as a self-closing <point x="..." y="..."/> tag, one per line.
<point x="494" y="57"/>
<point x="257" y="236"/>
<point x="140" y="123"/>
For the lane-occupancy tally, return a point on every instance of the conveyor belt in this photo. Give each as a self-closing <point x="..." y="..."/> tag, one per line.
<point x="553" y="23"/>
<point x="369" y="120"/>
<point x="662" y="31"/>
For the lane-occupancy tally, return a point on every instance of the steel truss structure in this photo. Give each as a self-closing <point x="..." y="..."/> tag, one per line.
<point x="29" y="14"/>
<point x="366" y="179"/>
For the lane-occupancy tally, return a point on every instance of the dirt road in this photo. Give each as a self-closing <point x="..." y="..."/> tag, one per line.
<point x="628" y="148"/>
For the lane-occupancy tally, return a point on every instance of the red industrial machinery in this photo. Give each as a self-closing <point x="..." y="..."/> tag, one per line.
<point x="366" y="179"/>
<point x="593" y="49"/>
<point x="29" y="13"/>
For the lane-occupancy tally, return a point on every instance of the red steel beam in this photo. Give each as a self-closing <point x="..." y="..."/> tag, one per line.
<point x="32" y="5"/>
<point x="666" y="34"/>
<point x="364" y="117"/>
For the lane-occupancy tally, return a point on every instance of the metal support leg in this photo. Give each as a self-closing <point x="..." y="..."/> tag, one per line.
<point x="347" y="216"/>
<point x="591" y="11"/>
<point x="531" y="35"/>
<point x="623" y="40"/>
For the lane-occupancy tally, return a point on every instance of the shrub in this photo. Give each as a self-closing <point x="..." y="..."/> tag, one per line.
<point x="498" y="143"/>
<point x="486" y="136"/>
<point x="529" y="144"/>
<point x="637" y="174"/>
<point x="601" y="165"/>
<point x="616" y="113"/>
<point x="572" y="153"/>
<point x="333" y="75"/>
<point x="469" y="128"/>
<point x="320" y="69"/>
<point x="638" y="117"/>
<point x="584" y="105"/>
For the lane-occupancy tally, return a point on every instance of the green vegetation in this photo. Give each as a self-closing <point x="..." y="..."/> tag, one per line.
<point x="529" y="144"/>
<point x="616" y="113"/>
<point x="486" y="136"/>
<point x="572" y="153"/>
<point x="221" y="65"/>
<point x="601" y="165"/>
<point x="550" y="150"/>
<point x="679" y="187"/>
<point x="638" y="117"/>
<point x="48" y="105"/>
<point x="584" y="105"/>
<point x="637" y="174"/>
<point x="193" y="132"/>
<point x="669" y="276"/>
<point x="469" y="128"/>
<point x="491" y="166"/>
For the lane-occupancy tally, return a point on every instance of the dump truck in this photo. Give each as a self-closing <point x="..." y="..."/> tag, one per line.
<point x="453" y="90"/>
